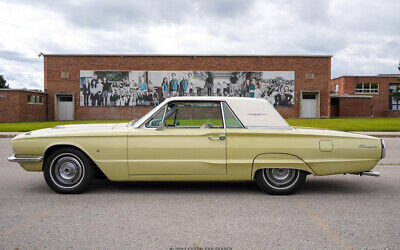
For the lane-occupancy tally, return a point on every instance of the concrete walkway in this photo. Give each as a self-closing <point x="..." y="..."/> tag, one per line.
<point x="376" y="134"/>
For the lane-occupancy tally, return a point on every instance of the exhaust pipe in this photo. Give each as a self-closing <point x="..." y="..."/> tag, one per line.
<point x="369" y="173"/>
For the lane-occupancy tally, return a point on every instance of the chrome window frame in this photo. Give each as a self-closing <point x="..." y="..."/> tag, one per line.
<point x="143" y="124"/>
<point x="237" y="118"/>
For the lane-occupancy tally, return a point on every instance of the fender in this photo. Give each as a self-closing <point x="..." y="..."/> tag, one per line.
<point x="115" y="170"/>
<point x="279" y="160"/>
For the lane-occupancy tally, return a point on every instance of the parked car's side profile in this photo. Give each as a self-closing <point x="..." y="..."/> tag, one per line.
<point x="196" y="139"/>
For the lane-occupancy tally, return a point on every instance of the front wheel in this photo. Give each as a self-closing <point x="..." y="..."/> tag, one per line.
<point x="68" y="171"/>
<point x="280" y="181"/>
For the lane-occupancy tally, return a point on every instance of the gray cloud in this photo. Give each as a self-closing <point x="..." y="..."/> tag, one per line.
<point x="15" y="56"/>
<point x="105" y="14"/>
<point x="362" y="35"/>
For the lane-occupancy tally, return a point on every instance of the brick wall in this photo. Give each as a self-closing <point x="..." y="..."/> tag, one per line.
<point x="54" y="65"/>
<point x="380" y="101"/>
<point x="14" y="106"/>
<point x="353" y="107"/>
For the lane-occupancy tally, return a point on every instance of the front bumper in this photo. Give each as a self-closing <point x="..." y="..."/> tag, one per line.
<point x="14" y="158"/>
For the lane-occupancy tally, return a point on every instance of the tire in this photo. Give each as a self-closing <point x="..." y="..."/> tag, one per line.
<point x="68" y="171"/>
<point x="280" y="181"/>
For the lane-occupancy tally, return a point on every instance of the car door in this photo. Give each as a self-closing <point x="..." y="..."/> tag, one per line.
<point x="190" y="141"/>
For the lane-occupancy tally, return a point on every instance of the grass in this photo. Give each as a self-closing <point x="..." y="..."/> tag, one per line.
<point x="343" y="124"/>
<point x="29" y="126"/>
<point x="350" y="124"/>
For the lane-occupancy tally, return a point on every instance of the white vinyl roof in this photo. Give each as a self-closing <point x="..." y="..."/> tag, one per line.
<point x="253" y="113"/>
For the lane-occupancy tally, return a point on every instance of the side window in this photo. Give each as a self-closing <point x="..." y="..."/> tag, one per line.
<point x="156" y="120"/>
<point x="194" y="115"/>
<point x="231" y="121"/>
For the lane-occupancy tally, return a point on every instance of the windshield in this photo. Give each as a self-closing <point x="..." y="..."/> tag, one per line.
<point x="146" y="116"/>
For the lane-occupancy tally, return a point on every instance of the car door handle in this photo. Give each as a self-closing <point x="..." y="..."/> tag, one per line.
<point x="221" y="138"/>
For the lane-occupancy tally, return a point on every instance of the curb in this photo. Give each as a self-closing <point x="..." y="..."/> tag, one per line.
<point x="9" y="134"/>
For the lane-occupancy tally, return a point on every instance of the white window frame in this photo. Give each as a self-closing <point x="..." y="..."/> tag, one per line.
<point x="366" y="88"/>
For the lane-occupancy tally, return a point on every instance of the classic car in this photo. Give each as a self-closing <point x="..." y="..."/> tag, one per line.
<point x="196" y="139"/>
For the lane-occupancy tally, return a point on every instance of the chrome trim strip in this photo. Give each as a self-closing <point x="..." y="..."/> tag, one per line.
<point x="223" y="115"/>
<point x="14" y="158"/>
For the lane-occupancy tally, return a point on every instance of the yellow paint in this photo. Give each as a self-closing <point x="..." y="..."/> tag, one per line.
<point x="126" y="153"/>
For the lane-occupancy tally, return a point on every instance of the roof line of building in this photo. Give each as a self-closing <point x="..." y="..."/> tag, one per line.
<point x="26" y="90"/>
<point x="185" y="55"/>
<point x="376" y="76"/>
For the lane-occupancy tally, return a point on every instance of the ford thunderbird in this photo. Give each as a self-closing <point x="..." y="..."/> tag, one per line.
<point x="196" y="139"/>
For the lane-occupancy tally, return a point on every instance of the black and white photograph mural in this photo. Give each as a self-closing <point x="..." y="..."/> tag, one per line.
<point x="146" y="88"/>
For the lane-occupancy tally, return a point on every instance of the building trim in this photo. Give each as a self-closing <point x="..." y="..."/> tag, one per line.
<point x="184" y="55"/>
<point x="351" y="96"/>
<point x="376" y="76"/>
<point x="26" y="90"/>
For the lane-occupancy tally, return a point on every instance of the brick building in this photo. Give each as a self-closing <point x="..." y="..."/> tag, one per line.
<point x="17" y="105"/>
<point x="299" y="84"/>
<point x="365" y="96"/>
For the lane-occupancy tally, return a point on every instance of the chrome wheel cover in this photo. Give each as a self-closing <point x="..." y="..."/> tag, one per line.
<point x="280" y="177"/>
<point x="67" y="170"/>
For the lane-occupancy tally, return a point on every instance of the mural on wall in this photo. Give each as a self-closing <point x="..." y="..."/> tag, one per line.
<point x="147" y="88"/>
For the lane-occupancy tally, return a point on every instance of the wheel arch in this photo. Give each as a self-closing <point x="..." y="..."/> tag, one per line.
<point x="52" y="148"/>
<point x="279" y="160"/>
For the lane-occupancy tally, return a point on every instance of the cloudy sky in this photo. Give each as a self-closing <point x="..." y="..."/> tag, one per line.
<point x="363" y="36"/>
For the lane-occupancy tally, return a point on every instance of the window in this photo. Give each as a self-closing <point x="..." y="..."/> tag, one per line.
<point x="35" y="99"/>
<point x="335" y="91"/>
<point x="310" y="76"/>
<point x="64" y="75"/>
<point x="367" y="88"/>
<point x="231" y="121"/>
<point x="65" y="98"/>
<point x="394" y="96"/>
<point x="156" y="120"/>
<point x="193" y="115"/>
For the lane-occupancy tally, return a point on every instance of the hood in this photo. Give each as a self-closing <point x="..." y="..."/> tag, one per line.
<point x="74" y="130"/>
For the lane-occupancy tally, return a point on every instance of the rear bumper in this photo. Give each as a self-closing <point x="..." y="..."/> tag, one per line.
<point x="14" y="158"/>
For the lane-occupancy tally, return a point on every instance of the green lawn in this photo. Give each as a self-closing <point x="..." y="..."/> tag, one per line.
<point x="350" y="124"/>
<point x="28" y="126"/>
<point x="343" y="124"/>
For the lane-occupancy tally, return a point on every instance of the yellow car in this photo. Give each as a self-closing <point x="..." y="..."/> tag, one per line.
<point x="196" y="139"/>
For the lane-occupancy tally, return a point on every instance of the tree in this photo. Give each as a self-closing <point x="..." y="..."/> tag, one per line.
<point x="3" y="82"/>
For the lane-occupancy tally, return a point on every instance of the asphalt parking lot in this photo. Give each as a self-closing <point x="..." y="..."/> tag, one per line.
<point x="335" y="212"/>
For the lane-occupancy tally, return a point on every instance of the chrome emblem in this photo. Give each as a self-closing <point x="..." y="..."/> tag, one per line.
<point x="256" y="114"/>
<point x="365" y="146"/>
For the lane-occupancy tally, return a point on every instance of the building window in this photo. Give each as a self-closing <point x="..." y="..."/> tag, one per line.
<point x="310" y="76"/>
<point x="35" y="99"/>
<point x="335" y="90"/>
<point x="64" y="75"/>
<point x="367" y="88"/>
<point x="394" y="89"/>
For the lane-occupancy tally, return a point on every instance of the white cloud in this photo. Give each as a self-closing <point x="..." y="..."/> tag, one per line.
<point x="363" y="36"/>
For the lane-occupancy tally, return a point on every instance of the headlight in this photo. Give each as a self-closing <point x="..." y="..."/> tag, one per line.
<point x="383" y="149"/>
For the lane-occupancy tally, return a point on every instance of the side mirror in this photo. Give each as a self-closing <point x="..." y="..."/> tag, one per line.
<point x="160" y="127"/>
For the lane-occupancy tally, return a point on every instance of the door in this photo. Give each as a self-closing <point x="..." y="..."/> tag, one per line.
<point x="309" y="105"/>
<point x="65" y="108"/>
<point x="190" y="141"/>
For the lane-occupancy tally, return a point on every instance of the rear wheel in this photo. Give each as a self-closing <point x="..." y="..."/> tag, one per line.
<point x="280" y="181"/>
<point x="68" y="171"/>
